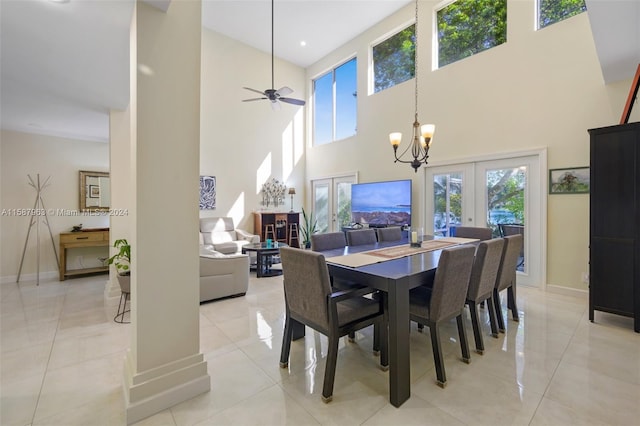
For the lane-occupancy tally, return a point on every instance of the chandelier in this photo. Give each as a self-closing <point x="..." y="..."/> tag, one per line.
<point x="422" y="135"/>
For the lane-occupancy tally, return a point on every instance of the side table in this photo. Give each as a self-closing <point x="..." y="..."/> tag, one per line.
<point x="264" y="257"/>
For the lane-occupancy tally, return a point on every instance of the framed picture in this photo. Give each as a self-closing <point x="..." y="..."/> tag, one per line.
<point x="207" y="192"/>
<point x="572" y="180"/>
<point x="94" y="191"/>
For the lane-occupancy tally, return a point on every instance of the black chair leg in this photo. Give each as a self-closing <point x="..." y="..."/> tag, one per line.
<point x="330" y="368"/>
<point x="376" y="339"/>
<point x="511" y="296"/>
<point x="464" y="343"/>
<point x="352" y="336"/>
<point x="475" y="322"/>
<point x="384" y="344"/>
<point x="441" y="376"/>
<point x="286" y="343"/>
<point x="498" y="307"/>
<point x="492" y="318"/>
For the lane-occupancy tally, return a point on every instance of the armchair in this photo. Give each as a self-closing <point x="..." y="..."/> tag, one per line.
<point x="220" y="233"/>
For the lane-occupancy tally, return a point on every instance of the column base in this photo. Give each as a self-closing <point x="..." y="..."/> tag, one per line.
<point x="153" y="391"/>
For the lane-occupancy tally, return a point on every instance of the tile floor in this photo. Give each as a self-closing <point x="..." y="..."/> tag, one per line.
<point x="62" y="359"/>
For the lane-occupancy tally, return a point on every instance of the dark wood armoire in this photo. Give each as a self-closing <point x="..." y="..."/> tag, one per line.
<point x="614" y="241"/>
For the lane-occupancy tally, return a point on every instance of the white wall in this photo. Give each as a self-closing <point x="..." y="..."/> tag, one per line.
<point x="25" y="154"/>
<point x="245" y="144"/>
<point x="540" y="89"/>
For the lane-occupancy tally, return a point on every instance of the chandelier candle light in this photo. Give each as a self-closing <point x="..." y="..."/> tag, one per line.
<point x="422" y="135"/>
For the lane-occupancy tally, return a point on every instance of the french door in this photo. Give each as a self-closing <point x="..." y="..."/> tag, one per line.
<point x="331" y="202"/>
<point x="492" y="193"/>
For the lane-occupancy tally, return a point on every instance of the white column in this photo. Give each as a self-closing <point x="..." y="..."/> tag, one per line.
<point x="120" y="175"/>
<point x="164" y="365"/>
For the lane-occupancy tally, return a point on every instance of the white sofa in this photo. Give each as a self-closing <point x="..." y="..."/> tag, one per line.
<point x="224" y="270"/>
<point x="220" y="233"/>
<point x="222" y="275"/>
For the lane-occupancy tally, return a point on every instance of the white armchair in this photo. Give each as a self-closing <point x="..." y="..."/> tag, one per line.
<point x="220" y="233"/>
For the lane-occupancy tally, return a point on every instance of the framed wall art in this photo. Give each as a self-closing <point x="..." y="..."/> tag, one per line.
<point x="207" y="192"/>
<point x="572" y="180"/>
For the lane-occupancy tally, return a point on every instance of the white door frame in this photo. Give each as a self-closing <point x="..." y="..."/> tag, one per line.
<point x="331" y="182"/>
<point x="539" y="205"/>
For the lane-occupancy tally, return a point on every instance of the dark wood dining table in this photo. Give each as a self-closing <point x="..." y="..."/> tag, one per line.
<point x="394" y="278"/>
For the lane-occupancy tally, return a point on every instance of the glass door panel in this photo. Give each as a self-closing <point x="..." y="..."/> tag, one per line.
<point x="447" y="202"/>
<point x="332" y="202"/>
<point x="498" y="194"/>
<point x="321" y="205"/>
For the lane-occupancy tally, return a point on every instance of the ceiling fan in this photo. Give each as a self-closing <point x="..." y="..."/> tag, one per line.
<point x="273" y="95"/>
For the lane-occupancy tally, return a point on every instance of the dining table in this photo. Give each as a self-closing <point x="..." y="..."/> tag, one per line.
<point x="394" y="277"/>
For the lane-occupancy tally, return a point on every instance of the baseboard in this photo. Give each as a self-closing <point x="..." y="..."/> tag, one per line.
<point x="568" y="291"/>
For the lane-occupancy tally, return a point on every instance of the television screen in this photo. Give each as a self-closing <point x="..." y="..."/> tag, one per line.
<point x="381" y="203"/>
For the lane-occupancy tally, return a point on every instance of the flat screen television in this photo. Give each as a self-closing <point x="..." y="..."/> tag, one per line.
<point x="380" y="204"/>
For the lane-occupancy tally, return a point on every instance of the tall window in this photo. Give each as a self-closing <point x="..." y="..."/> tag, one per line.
<point x="394" y="59"/>
<point x="467" y="27"/>
<point x="335" y="104"/>
<point x="552" y="11"/>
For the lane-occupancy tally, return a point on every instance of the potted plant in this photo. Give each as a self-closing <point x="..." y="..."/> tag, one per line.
<point x="122" y="260"/>
<point x="308" y="228"/>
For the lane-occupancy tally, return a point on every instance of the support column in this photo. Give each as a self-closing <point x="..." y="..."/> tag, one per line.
<point x="164" y="365"/>
<point x="120" y="175"/>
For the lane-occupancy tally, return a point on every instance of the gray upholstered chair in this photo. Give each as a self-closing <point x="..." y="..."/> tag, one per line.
<point x="514" y="229"/>
<point x="328" y="241"/>
<point x="361" y="237"/>
<point x="481" y="285"/>
<point x="507" y="278"/>
<point x="311" y="301"/>
<point x="391" y="233"/>
<point x="444" y="301"/>
<point x="474" y="232"/>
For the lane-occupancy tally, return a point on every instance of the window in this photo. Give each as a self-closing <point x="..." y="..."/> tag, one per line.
<point x="335" y="104"/>
<point x="552" y="11"/>
<point x="394" y="59"/>
<point x="467" y="27"/>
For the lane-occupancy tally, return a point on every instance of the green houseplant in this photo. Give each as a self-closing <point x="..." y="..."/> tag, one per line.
<point x="308" y="228"/>
<point x="122" y="259"/>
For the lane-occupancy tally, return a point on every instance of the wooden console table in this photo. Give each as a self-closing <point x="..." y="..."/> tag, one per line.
<point x="98" y="237"/>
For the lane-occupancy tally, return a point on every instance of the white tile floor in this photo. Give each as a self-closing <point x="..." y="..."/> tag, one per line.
<point x="552" y="368"/>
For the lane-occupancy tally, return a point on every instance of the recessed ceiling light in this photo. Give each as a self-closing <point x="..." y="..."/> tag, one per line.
<point x="59" y="1"/>
<point x="303" y="43"/>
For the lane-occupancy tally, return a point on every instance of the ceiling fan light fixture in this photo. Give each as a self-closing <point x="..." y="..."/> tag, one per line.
<point x="273" y="95"/>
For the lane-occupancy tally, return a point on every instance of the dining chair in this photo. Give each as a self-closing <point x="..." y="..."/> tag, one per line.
<point x="310" y="300"/>
<point x="481" y="284"/>
<point x="507" y="229"/>
<point x="328" y="241"/>
<point x="391" y="233"/>
<point x="480" y="233"/>
<point x="361" y="237"/>
<point x="506" y="278"/>
<point x="445" y="300"/>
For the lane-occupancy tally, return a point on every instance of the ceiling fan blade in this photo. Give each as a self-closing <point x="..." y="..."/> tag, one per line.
<point x="293" y="101"/>
<point x="253" y="99"/>
<point x="254" y="90"/>
<point x="284" y="91"/>
<point x="275" y="105"/>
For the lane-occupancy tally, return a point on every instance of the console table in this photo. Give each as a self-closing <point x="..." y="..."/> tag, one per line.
<point x="98" y="237"/>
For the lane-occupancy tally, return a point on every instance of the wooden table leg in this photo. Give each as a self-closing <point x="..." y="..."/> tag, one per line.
<point x="399" y="359"/>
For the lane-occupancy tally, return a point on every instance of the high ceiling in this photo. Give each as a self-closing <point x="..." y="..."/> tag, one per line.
<point x="65" y="65"/>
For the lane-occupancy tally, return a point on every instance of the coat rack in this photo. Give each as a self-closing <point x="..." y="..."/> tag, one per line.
<point x="38" y="211"/>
